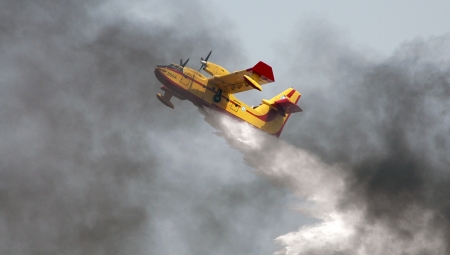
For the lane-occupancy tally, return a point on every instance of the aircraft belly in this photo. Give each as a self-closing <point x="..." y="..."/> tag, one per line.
<point x="270" y="125"/>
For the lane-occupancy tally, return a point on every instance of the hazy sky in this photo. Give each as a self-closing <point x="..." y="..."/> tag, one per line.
<point x="378" y="25"/>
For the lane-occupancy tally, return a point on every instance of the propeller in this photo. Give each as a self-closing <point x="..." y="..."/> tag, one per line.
<point x="204" y="61"/>
<point x="183" y="64"/>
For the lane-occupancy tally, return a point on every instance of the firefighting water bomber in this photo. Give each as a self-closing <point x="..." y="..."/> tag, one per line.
<point x="218" y="90"/>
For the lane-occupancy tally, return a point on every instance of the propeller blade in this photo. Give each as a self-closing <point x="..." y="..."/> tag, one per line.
<point x="183" y="65"/>
<point x="203" y="61"/>
<point x="181" y="62"/>
<point x="208" y="56"/>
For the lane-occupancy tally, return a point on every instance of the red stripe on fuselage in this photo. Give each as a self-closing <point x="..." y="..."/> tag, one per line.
<point x="177" y="88"/>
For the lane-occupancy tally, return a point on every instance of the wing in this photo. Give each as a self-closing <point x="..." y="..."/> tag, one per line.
<point x="244" y="80"/>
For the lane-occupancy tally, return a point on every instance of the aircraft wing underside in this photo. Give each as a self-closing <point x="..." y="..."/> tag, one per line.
<point x="241" y="81"/>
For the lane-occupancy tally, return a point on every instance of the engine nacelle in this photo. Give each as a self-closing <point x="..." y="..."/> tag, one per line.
<point x="214" y="69"/>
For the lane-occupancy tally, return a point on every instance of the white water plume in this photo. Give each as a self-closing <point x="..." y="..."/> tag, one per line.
<point x="322" y="187"/>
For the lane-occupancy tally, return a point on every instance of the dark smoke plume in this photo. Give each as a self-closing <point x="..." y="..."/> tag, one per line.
<point x="388" y="120"/>
<point x="91" y="162"/>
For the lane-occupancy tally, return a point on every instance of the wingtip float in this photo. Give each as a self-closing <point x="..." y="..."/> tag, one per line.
<point x="218" y="91"/>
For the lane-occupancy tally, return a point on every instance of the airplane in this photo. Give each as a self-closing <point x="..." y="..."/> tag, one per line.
<point x="218" y="92"/>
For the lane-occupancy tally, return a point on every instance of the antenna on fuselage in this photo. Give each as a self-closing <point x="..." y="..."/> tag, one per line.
<point x="181" y="62"/>
<point x="204" y="61"/>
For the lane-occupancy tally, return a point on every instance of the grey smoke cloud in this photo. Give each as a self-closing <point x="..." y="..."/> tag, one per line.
<point x="92" y="163"/>
<point x="387" y="119"/>
<point x="359" y="213"/>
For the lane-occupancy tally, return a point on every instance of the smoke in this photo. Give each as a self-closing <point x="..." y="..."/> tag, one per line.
<point x="379" y="183"/>
<point x="92" y="163"/>
<point x="69" y="165"/>
<point x="388" y="120"/>
<point x="346" y="226"/>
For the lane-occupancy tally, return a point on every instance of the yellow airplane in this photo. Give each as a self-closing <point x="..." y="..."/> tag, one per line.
<point x="217" y="92"/>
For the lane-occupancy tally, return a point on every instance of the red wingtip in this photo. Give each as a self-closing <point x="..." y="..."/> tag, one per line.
<point x="263" y="69"/>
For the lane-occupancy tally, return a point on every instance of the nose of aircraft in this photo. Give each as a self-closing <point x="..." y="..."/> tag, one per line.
<point x="159" y="74"/>
<point x="158" y="69"/>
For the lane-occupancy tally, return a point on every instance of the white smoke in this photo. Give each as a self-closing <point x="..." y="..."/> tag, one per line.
<point x="322" y="187"/>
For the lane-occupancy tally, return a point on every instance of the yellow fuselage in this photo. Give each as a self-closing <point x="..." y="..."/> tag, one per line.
<point x="186" y="83"/>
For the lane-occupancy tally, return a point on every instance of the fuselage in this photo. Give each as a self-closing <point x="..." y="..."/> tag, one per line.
<point x="187" y="83"/>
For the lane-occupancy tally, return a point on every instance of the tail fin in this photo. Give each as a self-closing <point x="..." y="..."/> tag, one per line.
<point x="281" y="106"/>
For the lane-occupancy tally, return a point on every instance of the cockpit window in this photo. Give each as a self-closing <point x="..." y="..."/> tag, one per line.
<point x="173" y="66"/>
<point x="176" y="67"/>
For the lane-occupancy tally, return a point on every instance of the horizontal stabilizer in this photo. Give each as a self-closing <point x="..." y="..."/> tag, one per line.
<point x="285" y="102"/>
<point x="288" y="106"/>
